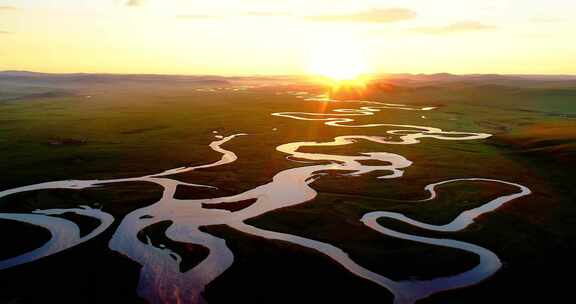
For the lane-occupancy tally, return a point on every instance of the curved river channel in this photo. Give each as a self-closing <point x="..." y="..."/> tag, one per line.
<point x="162" y="281"/>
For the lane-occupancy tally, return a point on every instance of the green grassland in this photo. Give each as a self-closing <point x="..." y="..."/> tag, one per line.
<point x="133" y="130"/>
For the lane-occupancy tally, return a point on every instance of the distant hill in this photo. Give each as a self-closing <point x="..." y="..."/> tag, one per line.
<point x="459" y="81"/>
<point x="223" y="80"/>
<point x="17" y="85"/>
<point x="103" y="78"/>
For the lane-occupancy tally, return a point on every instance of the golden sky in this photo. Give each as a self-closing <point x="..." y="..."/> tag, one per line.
<point x="240" y="37"/>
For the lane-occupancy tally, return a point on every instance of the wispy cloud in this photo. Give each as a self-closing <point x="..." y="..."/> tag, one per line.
<point x="457" y="27"/>
<point x="543" y="19"/>
<point x="135" y="2"/>
<point x="387" y="15"/>
<point x="5" y="32"/>
<point x="7" y="8"/>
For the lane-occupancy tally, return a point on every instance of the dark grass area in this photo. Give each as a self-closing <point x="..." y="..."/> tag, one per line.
<point x="22" y="237"/>
<point x="235" y="206"/>
<point x="336" y="220"/>
<point x="191" y="254"/>
<point x="87" y="273"/>
<point x="266" y="270"/>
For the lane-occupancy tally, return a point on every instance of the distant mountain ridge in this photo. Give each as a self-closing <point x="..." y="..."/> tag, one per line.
<point x="114" y="77"/>
<point x="436" y="76"/>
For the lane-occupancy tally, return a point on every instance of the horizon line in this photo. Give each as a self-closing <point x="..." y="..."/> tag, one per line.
<point x="280" y="75"/>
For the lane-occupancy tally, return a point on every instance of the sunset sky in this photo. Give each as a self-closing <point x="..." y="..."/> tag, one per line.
<point x="240" y="37"/>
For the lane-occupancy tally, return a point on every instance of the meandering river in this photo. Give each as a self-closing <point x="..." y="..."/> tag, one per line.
<point x="162" y="281"/>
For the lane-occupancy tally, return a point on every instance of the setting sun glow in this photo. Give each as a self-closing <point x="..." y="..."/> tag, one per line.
<point x="338" y="63"/>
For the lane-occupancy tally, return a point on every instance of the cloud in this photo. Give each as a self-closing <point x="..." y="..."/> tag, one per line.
<point x="135" y="2"/>
<point x="7" y="8"/>
<point x="371" y="16"/>
<point x="542" y="19"/>
<point x="5" y="32"/>
<point x="457" y="27"/>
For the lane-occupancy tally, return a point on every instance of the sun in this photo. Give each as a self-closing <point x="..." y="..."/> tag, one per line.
<point x="338" y="63"/>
